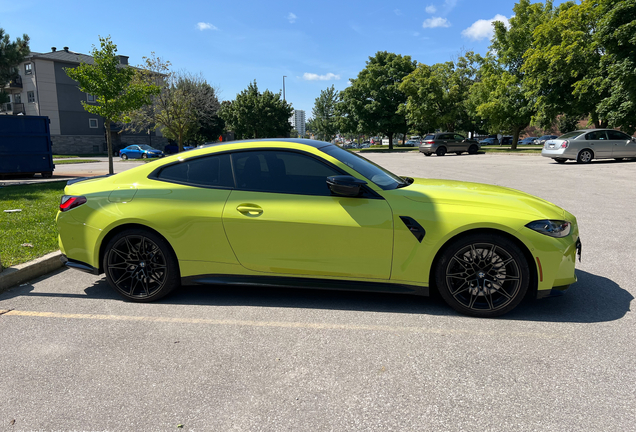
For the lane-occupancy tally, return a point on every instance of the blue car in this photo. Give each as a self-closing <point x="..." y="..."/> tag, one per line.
<point x="139" y="151"/>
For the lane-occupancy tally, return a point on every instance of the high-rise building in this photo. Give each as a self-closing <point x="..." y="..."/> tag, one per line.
<point x="297" y="120"/>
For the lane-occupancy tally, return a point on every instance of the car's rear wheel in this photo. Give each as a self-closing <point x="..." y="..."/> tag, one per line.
<point x="140" y="265"/>
<point x="124" y="157"/>
<point x="585" y="156"/>
<point x="472" y="149"/>
<point x="482" y="275"/>
<point x="441" y="151"/>
<point x="144" y="156"/>
<point x="560" y="160"/>
<point x="427" y="154"/>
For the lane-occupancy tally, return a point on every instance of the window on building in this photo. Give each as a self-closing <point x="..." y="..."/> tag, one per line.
<point x="27" y="69"/>
<point x="17" y="98"/>
<point x="31" y="97"/>
<point x="90" y="97"/>
<point x="93" y="124"/>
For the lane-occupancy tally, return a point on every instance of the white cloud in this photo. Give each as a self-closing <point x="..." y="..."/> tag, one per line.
<point x="292" y="18"/>
<point x="482" y="29"/>
<point x="431" y="9"/>
<point x="315" y="77"/>
<point x="435" y="22"/>
<point x="206" y="26"/>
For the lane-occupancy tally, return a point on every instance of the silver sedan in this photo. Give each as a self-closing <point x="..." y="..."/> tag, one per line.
<point x="585" y="145"/>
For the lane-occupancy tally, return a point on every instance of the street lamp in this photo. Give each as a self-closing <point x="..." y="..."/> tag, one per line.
<point x="284" y="76"/>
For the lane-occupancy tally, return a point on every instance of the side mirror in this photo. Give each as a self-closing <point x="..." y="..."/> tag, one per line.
<point x="345" y="185"/>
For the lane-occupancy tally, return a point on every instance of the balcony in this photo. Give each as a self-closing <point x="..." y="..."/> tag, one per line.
<point x="14" y="83"/>
<point x="12" y="108"/>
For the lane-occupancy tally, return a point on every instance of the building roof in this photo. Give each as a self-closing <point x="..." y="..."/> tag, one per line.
<point x="66" y="56"/>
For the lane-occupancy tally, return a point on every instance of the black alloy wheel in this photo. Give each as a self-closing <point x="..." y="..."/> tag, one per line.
<point x="560" y="160"/>
<point x="473" y="149"/>
<point x="482" y="275"/>
<point x="441" y="151"/>
<point x="585" y="156"/>
<point x="140" y="266"/>
<point x="124" y="157"/>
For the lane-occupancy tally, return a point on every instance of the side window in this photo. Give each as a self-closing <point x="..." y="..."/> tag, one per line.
<point x="211" y="171"/>
<point x="459" y="138"/>
<point x="446" y="137"/>
<point x="616" y="135"/>
<point x="596" y="135"/>
<point x="282" y="172"/>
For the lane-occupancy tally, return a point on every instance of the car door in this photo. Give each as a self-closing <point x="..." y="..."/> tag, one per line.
<point x="597" y="141"/>
<point x="459" y="143"/>
<point x="622" y="144"/>
<point x="134" y="152"/>
<point x="283" y="219"/>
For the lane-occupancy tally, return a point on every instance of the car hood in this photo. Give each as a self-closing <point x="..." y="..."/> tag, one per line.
<point x="480" y="195"/>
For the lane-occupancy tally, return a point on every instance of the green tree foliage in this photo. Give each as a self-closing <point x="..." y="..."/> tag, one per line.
<point x="616" y="34"/>
<point x="372" y="103"/>
<point x="438" y="95"/>
<point x="185" y="109"/>
<point x="11" y="55"/>
<point x="325" y="119"/>
<point x="563" y="66"/>
<point x="257" y="115"/>
<point x="113" y="85"/>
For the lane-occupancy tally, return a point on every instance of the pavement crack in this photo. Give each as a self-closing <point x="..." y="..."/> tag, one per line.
<point x="2" y="312"/>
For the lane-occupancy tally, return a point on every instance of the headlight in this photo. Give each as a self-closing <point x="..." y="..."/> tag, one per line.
<point x="552" y="228"/>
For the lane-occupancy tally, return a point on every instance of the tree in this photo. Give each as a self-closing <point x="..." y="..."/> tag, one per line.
<point x="113" y="85"/>
<point x="438" y="95"/>
<point x="372" y="103"/>
<point x="564" y="64"/>
<point x="325" y="119"/>
<point x="257" y="115"/>
<point x="11" y="55"/>
<point x="616" y="34"/>
<point x="186" y="108"/>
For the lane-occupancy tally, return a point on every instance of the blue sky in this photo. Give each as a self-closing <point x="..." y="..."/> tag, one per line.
<point x="315" y="44"/>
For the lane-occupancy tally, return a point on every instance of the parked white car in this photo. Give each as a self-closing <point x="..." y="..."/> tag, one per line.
<point x="585" y="145"/>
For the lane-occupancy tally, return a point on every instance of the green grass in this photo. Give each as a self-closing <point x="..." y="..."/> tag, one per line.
<point x="74" y="161"/>
<point x="35" y="224"/>
<point x="78" y="156"/>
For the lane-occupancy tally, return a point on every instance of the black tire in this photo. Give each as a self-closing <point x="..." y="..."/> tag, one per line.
<point x="441" y="151"/>
<point x="124" y="157"/>
<point x="473" y="149"/>
<point x="458" y="153"/>
<point x="560" y="160"/>
<point x="144" y="156"/>
<point x="427" y="154"/>
<point x="585" y="156"/>
<point x="140" y="266"/>
<point x="482" y="275"/>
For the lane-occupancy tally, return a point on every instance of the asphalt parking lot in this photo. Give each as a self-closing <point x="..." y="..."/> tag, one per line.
<point x="77" y="358"/>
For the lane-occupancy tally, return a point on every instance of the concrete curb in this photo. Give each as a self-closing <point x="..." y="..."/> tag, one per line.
<point x="12" y="276"/>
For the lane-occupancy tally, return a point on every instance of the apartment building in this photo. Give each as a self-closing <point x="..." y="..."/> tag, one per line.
<point x="44" y="89"/>
<point x="297" y="121"/>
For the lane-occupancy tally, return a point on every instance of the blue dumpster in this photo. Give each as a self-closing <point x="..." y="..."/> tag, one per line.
<point x="25" y="146"/>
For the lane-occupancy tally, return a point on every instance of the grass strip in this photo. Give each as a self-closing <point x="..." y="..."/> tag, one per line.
<point x="35" y="224"/>
<point x="74" y="161"/>
<point x="79" y="156"/>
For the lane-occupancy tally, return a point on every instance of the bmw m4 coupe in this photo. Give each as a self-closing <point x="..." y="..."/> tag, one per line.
<point x="308" y="214"/>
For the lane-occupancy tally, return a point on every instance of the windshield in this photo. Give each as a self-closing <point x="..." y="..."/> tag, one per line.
<point x="146" y="147"/>
<point x="572" y="134"/>
<point x="378" y="175"/>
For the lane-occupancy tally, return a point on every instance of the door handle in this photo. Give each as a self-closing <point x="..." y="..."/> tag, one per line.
<point x="249" y="209"/>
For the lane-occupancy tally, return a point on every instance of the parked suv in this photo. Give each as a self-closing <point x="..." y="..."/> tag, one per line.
<point x="448" y="142"/>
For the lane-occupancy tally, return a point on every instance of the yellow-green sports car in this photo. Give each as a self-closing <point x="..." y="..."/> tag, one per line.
<point x="305" y="213"/>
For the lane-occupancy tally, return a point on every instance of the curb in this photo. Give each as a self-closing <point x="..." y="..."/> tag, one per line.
<point x="12" y="276"/>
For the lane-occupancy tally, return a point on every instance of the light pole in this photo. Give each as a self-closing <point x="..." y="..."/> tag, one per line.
<point x="284" y="76"/>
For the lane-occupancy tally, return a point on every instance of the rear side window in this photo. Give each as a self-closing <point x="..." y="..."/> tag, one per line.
<point x="596" y="135"/>
<point x="429" y="137"/>
<point x="211" y="171"/>
<point x="572" y="135"/>
<point x="616" y="135"/>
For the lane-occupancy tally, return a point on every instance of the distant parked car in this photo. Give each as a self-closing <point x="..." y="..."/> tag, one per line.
<point x="506" y="140"/>
<point x="587" y="144"/>
<point x="489" y="141"/>
<point x="446" y="142"/>
<point x="139" y="152"/>
<point x="411" y="143"/>
<point x="527" y="140"/>
<point x="544" y="138"/>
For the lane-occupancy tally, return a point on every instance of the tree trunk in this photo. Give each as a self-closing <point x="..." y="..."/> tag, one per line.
<point x="515" y="137"/>
<point x="109" y="146"/>
<point x="390" y="135"/>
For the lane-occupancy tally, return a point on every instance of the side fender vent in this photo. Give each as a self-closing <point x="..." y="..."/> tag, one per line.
<point x="415" y="228"/>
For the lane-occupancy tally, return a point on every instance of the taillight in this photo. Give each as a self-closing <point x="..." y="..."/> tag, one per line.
<point x="69" y="202"/>
<point x="430" y="142"/>
<point x="564" y="144"/>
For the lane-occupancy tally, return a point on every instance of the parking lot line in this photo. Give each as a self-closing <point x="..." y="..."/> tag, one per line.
<point x="283" y="324"/>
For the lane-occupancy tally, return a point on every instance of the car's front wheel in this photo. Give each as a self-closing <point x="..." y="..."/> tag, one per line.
<point x="140" y="265"/>
<point x="482" y="275"/>
<point x="144" y="156"/>
<point x="473" y="149"/>
<point x="124" y="157"/>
